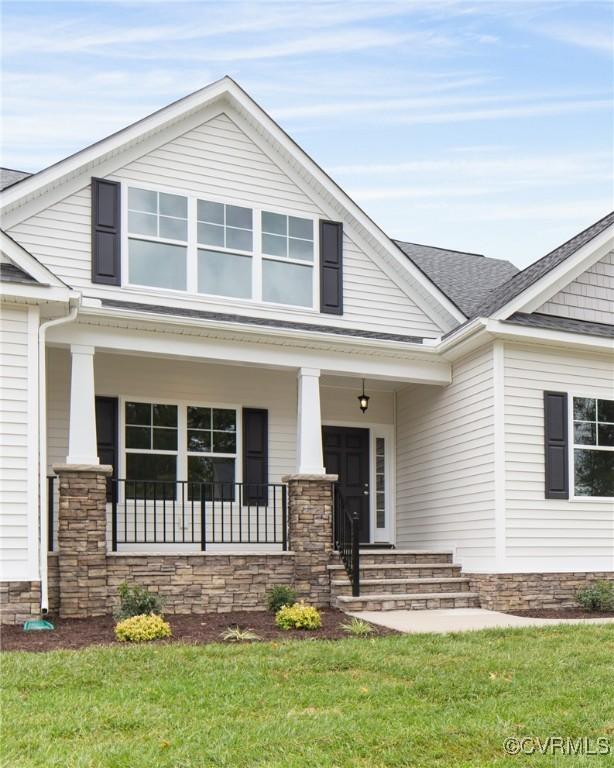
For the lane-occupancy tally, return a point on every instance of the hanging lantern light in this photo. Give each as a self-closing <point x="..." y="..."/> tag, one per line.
<point x="363" y="399"/>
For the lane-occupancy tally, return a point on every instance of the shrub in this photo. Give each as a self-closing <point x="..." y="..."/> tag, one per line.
<point x="136" y="601"/>
<point x="358" y="628"/>
<point x="140" y="629"/>
<point x="298" y="616"/>
<point x="279" y="596"/>
<point x="597" y="597"/>
<point x="238" y="635"/>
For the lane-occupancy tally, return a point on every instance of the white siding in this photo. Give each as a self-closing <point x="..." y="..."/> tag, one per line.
<point x="18" y="478"/>
<point x="549" y="534"/>
<point x="589" y="297"/>
<point x="219" y="160"/>
<point x="445" y="463"/>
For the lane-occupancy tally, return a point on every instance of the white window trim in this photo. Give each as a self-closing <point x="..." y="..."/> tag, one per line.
<point x="182" y="453"/>
<point x="572" y="446"/>
<point x="192" y="248"/>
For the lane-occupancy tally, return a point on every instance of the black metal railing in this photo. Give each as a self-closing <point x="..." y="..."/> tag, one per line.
<point x="183" y="512"/>
<point x="346" y="538"/>
<point x="51" y="491"/>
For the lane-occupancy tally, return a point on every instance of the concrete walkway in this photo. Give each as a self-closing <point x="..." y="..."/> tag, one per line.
<point x="460" y="620"/>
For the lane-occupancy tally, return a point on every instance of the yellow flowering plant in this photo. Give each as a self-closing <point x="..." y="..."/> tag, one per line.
<point x="142" y="628"/>
<point x="298" y="616"/>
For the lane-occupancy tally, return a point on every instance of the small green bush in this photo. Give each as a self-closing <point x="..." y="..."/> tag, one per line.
<point x="298" y="616"/>
<point x="238" y="635"/>
<point x="136" y="601"/>
<point x="597" y="597"/>
<point x="358" y="628"/>
<point x="279" y="596"/>
<point x="140" y="629"/>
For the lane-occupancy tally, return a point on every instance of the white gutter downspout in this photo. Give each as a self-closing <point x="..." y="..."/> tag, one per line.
<point x="42" y="445"/>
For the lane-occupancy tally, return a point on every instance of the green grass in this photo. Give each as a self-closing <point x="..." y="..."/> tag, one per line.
<point x="422" y="700"/>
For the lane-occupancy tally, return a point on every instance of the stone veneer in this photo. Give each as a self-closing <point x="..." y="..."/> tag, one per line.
<point x="83" y="576"/>
<point x="310" y="527"/>
<point x="19" y="601"/>
<point x="517" y="591"/>
<point x="82" y="539"/>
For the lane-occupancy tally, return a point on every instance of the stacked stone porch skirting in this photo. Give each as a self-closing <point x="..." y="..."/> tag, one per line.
<point x="521" y="591"/>
<point x="19" y="601"/>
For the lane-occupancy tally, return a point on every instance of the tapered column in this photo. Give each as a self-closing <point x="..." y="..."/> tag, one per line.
<point x="82" y="448"/>
<point x="309" y="448"/>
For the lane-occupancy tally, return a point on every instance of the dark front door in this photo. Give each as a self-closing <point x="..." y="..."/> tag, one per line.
<point x="346" y="453"/>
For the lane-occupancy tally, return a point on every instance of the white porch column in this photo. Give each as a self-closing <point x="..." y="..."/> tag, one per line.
<point x="82" y="448"/>
<point x="309" y="423"/>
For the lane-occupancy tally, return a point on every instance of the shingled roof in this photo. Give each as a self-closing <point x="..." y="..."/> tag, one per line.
<point x="8" y="177"/>
<point x="522" y="280"/>
<point x="467" y="279"/>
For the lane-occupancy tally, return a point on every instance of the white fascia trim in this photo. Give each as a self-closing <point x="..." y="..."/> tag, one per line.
<point x="25" y="261"/>
<point x="38" y="294"/>
<point x="158" y="121"/>
<point x="546" y="336"/>
<point x="563" y="274"/>
<point x="407" y="349"/>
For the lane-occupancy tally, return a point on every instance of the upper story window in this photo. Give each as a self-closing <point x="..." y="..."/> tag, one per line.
<point x="593" y="446"/>
<point x="184" y="243"/>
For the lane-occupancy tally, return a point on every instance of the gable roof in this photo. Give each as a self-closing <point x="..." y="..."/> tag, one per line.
<point x="8" y="177"/>
<point x="103" y="157"/>
<point x="534" y="272"/>
<point x="22" y="261"/>
<point x="466" y="278"/>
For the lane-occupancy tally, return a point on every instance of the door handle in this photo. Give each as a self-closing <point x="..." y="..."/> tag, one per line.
<point x="365" y="493"/>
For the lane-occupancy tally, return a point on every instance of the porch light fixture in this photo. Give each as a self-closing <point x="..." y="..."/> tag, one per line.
<point x="363" y="399"/>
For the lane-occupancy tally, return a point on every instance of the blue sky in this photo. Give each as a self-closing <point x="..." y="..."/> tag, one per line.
<point x="481" y="126"/>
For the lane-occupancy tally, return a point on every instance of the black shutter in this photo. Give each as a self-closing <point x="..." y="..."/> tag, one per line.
<point x="106" y="434"/>
<point x="331" y="267"/>
<point x="255" y="456"/>
<point x="556" y="445"/>
<point x="106" y="233"/>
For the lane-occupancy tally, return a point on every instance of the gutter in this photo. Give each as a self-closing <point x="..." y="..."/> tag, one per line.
<point x="74" y="304"/>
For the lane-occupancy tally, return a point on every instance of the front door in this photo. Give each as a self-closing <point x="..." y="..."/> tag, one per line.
<point x="346" y="453"/>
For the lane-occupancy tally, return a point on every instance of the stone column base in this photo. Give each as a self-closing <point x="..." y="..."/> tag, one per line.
<point x="310" y="534"/>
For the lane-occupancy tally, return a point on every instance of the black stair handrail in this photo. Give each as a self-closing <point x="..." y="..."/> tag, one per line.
<point x="346" y="538"/>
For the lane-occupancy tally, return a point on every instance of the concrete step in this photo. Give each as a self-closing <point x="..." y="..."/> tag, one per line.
<point x="397" y="601"/>
<point x="400" y="570"/>
<point x="378" y="556"/>
<point x="404" y="586"/>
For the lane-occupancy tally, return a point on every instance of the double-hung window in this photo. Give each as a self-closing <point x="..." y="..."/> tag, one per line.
<point x="151" y="449"/>
<point x="169" y="443"/>
<point x="287" y="259"/>
<point x="211" y="248"/>
<point x="593" y="447"/>
<point x="157" y="239"/>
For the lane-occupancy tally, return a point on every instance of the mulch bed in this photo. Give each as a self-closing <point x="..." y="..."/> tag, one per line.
<point x="562" y="613"/>
<point x="203" y="628"/>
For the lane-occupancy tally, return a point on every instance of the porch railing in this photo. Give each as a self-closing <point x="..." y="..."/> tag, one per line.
<point x="346" y="536"/>
<point x="183" y="512"/>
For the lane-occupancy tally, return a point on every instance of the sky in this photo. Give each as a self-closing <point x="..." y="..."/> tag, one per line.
<point x="473" y="125"/>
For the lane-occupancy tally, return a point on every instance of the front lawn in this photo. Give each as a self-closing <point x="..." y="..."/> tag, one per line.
<point x="422" y="700"/>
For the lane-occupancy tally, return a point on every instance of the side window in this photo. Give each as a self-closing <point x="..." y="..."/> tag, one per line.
<point x="593" y="447"/>
<point x="151" y="450"/>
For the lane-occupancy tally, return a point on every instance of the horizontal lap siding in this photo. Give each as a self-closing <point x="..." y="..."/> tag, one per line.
<point x="445" y="461"/>
<point x="589" y="297"/>
<point x="16" y="502"/>
<point x="220" y="161"/>
<point x="537" y="527"/>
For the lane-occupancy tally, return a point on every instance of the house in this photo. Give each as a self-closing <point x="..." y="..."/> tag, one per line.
<point x="209" y="351"/>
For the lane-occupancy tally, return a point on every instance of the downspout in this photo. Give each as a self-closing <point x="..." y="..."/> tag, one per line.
<point x="42" y="445"/>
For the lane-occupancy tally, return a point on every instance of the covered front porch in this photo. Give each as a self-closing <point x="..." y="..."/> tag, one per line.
<point x="200" y="434"/>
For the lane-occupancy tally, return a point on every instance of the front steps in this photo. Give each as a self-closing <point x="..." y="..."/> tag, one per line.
<point x="396" y="579"/>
